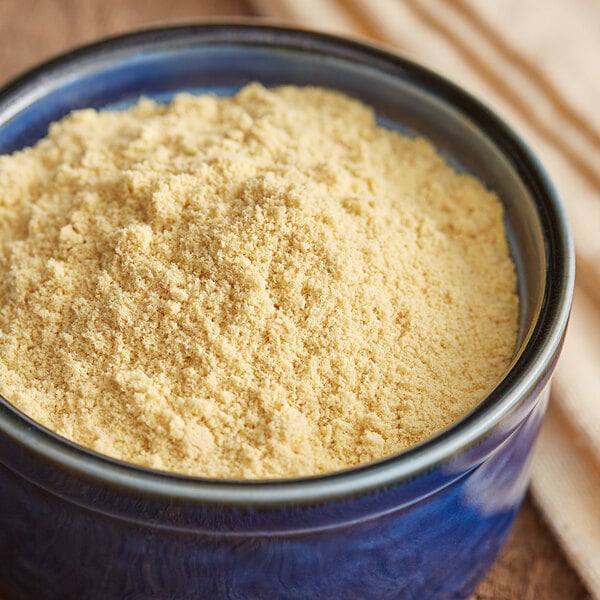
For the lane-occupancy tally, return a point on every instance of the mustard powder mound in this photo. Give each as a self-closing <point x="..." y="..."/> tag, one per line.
<point x="263" y="286"/>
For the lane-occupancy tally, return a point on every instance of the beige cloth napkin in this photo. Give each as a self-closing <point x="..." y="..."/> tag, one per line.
<point x="536" y="63"/>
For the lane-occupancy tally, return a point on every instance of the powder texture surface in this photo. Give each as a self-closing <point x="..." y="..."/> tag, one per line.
<point x="262" y="286"/>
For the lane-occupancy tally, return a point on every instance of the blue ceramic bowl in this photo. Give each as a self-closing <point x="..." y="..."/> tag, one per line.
<point x="426" y="523"/>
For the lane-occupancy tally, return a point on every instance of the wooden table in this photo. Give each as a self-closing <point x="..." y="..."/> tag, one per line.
<point x="532" y="566"/>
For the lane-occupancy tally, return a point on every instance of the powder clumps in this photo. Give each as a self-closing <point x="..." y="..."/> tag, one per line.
<point x="263" y="286"/>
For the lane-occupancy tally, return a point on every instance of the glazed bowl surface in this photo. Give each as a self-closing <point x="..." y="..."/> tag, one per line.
<point x="426" y="523"/>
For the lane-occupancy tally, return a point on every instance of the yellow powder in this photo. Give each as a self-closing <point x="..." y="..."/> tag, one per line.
<point x="261" y="286"/>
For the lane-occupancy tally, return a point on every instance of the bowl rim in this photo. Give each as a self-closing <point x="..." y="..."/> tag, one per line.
<point x="529" y="370"/>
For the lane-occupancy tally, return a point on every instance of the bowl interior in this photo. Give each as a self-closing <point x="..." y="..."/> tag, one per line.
<point x="115" y="78"/>
<point x="221" y="59"/>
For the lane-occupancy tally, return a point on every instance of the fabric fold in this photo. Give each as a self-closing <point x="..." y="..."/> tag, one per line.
<point x="566" y="485"/>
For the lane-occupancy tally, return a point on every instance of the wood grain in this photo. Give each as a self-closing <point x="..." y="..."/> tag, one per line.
<point x="532" y="565"/>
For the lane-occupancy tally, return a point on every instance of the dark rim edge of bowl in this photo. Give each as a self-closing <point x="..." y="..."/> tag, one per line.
<point x="530" y="368"/>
